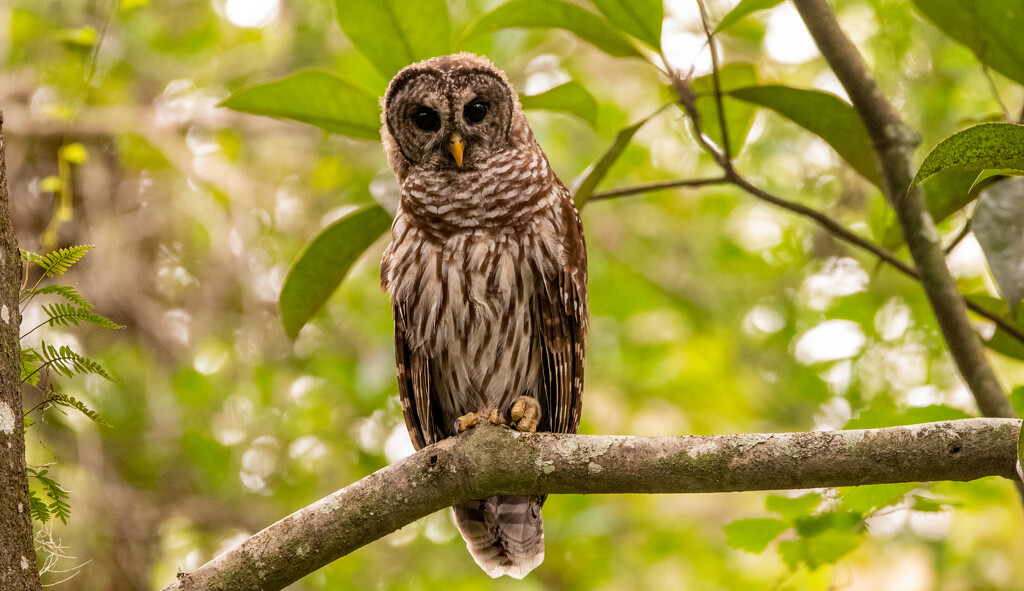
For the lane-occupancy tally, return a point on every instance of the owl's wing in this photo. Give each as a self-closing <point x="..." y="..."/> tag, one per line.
<point x="415" y="388"/>
<point x="562" y="307"/>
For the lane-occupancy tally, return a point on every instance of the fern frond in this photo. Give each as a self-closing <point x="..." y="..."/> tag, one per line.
<point x="67" y="362"/>
<point x="30" y="359"/>
<point x="38" y="508"/>
<point x="65" y="291"/>
<point x="67" y="314"/>
<point x="58" y="507"/>
<point x="59" y="261"/>
<point x="72" y="402"/>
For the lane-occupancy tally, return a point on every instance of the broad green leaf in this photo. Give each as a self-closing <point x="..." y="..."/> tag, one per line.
<point x="793" y="508"/>
<point x="640" y="18"/>
<point x="826" y="116"/>
<point x="570" y="97"/>
<point x="1017" y="398"/>
<point x="809" y="526"/>
<point x="926" y="505"/>
<point x="392" y="34"/>
<point x="819" y="550"/>
<point x="864" y="499"/>
<point x="988" y="145"/>
<point x="989" y="28"/>
<point x="739" y="114"/>
<point x="1000" y="341"/>
<point x="754" y="535"/>
<point x="946" y="193"/>
<point x="313" y="97"/>
<point x="998" y="224"/>
<point x="874" y="418"/>
<point x="588" y="181"/>
<point x="325" y="261"/>
<point x="556" y="14"/>
<point x="989" y="176"/>
<point x="742" y="9"/>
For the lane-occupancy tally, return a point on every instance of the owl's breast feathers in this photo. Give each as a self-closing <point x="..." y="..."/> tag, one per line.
<point x="471" y="257"/>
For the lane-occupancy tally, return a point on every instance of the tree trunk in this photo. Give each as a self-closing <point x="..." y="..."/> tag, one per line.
<point x="17" y="551"/>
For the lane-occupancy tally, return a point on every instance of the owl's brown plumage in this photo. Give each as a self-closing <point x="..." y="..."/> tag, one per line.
<point x="487" y="272"/>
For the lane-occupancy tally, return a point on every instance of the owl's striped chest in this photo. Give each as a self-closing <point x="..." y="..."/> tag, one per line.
<point x="468" y="305"/>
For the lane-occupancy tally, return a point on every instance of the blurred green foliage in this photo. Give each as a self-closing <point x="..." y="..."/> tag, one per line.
<point x="711" y="312"/>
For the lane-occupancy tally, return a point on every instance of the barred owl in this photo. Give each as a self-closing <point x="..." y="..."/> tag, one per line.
<point x="487" y="272"/>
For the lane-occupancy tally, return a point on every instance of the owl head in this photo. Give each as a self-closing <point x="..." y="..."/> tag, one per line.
<point x="450" y="113"/>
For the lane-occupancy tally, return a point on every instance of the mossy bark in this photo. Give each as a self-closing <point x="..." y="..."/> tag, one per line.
<point x="17" y="551"/>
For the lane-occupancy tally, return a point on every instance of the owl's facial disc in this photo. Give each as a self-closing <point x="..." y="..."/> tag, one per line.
<point x="449" y="118"/>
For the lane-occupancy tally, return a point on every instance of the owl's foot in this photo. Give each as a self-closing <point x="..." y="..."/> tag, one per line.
<point x="525" y="414"/>
<point x="470" y="419"/>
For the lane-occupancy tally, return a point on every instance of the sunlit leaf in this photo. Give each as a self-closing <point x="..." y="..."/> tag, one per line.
<point x="325" y="261"/>
<point x="742" y="9"/>
<point x="313" y="97"/>
<point x="793" y="507"/>
<point x="587" y="182"/>
<point x="988" y="145"/>
<point x="571" y="97"/>
<point x="864" y="499"/>
<point x="1000" y="341"/>
<point x="640" y="18"/>
<point x="989" y="28"/>
<point x="739" y="114"/>
<point x="874" y="418"/>
<point x="819" y="550"/>
<point x="754" y="535"/>
<point x="998" y="224"/>
<point x="826" y="116"/>
<point x="556" y="14"/>
<point x="392" y="34"/>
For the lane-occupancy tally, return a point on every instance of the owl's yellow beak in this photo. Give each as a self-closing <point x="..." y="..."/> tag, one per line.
<point x="456" y="146"/>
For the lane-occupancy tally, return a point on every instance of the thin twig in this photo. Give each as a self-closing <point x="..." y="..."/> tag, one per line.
<point x="624" y="191"/>
<point x="713" y="48"/>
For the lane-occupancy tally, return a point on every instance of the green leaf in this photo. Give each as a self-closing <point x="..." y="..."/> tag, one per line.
<point x="989" y="28"/>
<point x="313" y="97"/>
<point x="742" y="9"/>
<point x="325" y="261"/>
<point x="739" y="115"/>
<point x="946" y="193"/>
<point x="874" y="418"/>
<point x="556" y="14"/>
<point x="826" y="116"/>
<point x="1000" y="341"/>
<point x="595" y="173"/>
<point x="392" y="34"/>
<point x="72" y="402"/>
<point x="571" y="97"/>
<point x="640" y="18"/>
<point x="819" y="550"/>
<point x="754" y="535"/>
<point x="58" y="261"/>
<point x="926" y="505"/>
<point x="998" y="224"/>
<point x="864" y="499"/>
<point x="988" y="145"/>
<point x="1017" y="398"/>
<point x="793" y="507"/>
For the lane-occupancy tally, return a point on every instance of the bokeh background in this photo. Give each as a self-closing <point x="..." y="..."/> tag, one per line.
<point x="711" y="312"/>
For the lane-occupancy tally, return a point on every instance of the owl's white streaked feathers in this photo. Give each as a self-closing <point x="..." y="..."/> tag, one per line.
<point x="487" y="273"/>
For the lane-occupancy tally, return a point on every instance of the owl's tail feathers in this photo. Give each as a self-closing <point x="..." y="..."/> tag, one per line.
<point x="504" y="534"/>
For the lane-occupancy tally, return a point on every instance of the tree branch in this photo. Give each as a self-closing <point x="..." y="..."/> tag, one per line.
<point x="488" y="460"/>
<point x="894" y="142"/>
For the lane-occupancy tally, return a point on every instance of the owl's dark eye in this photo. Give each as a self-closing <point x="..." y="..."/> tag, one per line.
<point x="475" y="111"/>
<point x="426" y="119"/>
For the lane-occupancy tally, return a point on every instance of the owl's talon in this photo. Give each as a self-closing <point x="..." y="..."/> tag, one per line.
<point x="494" y="417"/>
<point x="525" y="414"/>
<point x="466" y="421"/>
